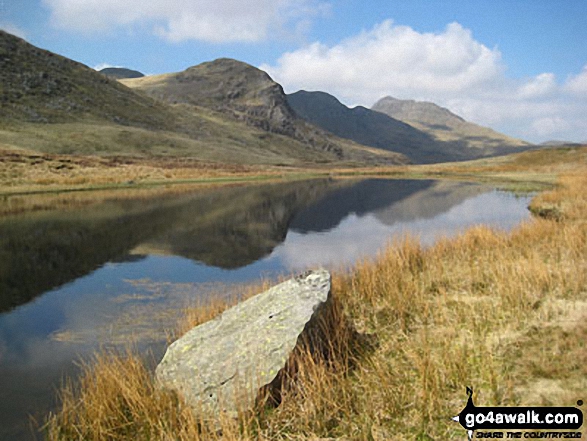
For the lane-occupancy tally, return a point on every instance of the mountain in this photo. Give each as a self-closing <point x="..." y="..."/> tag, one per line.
<point x="119" y="73"/>
<point x="366" y="126"/>
<point x="558" y="143"/>
<point x="52" y="104"/>
<point x="471" y="139"/>
<point x="226" y="86"/>
<point x="424" y="132"/>
<point x="245" y="93"/>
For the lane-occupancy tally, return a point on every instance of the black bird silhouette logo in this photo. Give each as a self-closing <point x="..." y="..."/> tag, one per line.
<point x="469" y="408"/>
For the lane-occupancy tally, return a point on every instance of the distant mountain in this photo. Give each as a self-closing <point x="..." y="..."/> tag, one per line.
<point x="52" y="104"/>
<point x="119" y="73"/>
<point x="557" y="143"/>
<point x="424" y="132"/>
<point x="245" y="93"/>
<point x="366" y="126"/>
<point x="449" y="128"/>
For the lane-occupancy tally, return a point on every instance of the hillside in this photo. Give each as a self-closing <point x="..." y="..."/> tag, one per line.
<point x="55" y="105"/>
<point x="42" y="87"/>
<point x="120" y="72"/>
<point x="447" y="127"/>
<point x="246" y="94"/>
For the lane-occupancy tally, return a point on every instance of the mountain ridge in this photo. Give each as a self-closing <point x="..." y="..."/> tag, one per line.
<point x="56" y="105"/>
<point x="419" y="140"/>
<point x="227" y="86"/>
<point x="223" y="110"/>
<point x="244" y="93"/>
<point x="364" y="126"/>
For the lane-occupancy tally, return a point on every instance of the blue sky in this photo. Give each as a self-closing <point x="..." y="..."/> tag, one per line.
<point x="519" y="66"/>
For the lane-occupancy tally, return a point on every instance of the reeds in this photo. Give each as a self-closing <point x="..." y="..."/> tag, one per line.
<point x="505" y="313"/>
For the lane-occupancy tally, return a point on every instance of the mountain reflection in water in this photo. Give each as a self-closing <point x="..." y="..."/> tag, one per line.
<point x="227" y="228"/>
<point x="82" y="270"/>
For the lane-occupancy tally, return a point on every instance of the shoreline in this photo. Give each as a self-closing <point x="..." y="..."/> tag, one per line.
<point x="30" y="173"/>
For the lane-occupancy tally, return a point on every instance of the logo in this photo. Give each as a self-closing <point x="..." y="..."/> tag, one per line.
<point x="473" y="418"/>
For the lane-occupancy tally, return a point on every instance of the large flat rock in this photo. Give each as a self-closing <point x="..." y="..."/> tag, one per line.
<point x="221" y="365"/>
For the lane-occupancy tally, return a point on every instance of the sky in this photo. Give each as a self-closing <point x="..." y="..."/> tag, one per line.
<point x="518" y="66"/>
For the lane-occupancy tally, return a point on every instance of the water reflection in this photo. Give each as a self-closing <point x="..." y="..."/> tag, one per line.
<point x="362" y="198"/>
<point x="359" y="236"/>
<point x="120" y="269"/>
<point x="227" y="228"/>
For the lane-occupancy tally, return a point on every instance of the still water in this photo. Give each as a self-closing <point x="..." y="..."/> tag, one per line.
<point x="82" y="271"/>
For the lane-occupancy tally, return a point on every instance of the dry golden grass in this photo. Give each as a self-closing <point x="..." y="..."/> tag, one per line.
<point x="27" y="171"/>
<point x="502" y="312"/>
<point x="530" y="167"/>
<point x="528" y="171"/>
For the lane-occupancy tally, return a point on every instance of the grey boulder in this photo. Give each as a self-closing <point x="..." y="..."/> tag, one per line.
<point x="222" y="366"/>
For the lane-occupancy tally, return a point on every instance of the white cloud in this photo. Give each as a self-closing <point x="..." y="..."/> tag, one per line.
<point x="538" y="87"/>
<point x="550" y="125"/>
<point x="395" y="58"/>
<point x="104" y="66"/>
<point x="12" y="29"/>
<point x="449" y="68"/>
<point x="178" y="20"/>
<point x="578" y="84"/>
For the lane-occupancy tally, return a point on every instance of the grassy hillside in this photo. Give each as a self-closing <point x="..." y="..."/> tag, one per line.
<point x="42" y="87"/>
<point x="526" y="170"/>
<point x="54" y="105"/>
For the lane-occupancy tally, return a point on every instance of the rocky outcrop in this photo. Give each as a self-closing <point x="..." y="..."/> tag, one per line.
<point x="227" y="364"/>
<point x="235" y="88"/>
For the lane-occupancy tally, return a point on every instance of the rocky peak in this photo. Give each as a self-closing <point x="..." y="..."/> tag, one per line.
<point x="231" y="87"/>
<point x="416" y="111"/>
<point x="249" y="93"/>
